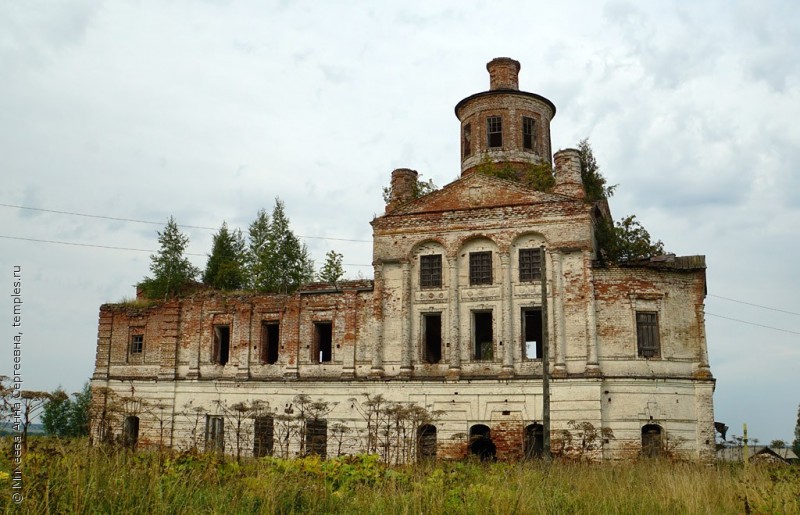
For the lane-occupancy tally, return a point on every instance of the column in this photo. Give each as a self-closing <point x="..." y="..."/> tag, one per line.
<point x="406" y="351"/>
<point x="377" y="315"/>
<point x="592" y="365"/>
<point x="560" y="369"/>
<point x="506" y="297"/>
<point x="452" y="308"/>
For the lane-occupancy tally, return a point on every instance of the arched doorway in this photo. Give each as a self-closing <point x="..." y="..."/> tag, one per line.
<point x="426" y="442"/>
<point x="652" y="441"/>
<point x="533" y="445"/>
<point x="130" y="432"/>
<point x="480" y="442"/>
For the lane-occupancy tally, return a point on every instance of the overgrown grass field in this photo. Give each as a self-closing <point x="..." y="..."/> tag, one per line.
<point x="70" y="477"/>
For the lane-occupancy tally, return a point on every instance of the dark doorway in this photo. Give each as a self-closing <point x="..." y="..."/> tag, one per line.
<point x="483" y="335"/>
<point x="652" y="443"/>
<point x="323" y="342"/>
<point x="270" y="342"/>
<point x="433" y="337"/>
<point x="426" y="442"/>
<point x="481" y="444"/>
<point x="130" y="432"/>
<point x="222" y="344"/>
<point x="533" y="446"/>
<point x="532" y="333"/>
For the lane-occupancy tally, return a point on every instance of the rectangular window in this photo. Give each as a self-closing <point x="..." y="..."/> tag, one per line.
<point x="528" y="132"/>
<point x="647" y="334"/>
<point x="323" y="342"/>
<point x="317" y="437"/>
<point x="480" y="268"/>
<point x="137" y="343"/>
<point x="494" y="131"/>
<point x="263" y="430"/>
<point x="432" y="335"/>
<point x="483" y="335"/>
<point x="467" y="143"/>
<point x="215" y="434"/>
<point x="270" y="342"/>
<point x="222" y="344"/>
<point x="430" y="271"/>
<point x="532" y="333"/>
<point x="530" y="265"/>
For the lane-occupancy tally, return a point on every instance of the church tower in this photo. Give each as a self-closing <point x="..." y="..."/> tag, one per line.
<point x="504" y="124"/>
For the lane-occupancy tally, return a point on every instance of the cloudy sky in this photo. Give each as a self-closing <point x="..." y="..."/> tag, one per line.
<point x="132" y="111"/>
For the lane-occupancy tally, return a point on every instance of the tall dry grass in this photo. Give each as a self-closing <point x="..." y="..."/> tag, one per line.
<point x="70" y="477"/>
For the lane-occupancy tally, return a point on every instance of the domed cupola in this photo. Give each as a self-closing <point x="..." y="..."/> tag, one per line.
<point x="504" y="124"/>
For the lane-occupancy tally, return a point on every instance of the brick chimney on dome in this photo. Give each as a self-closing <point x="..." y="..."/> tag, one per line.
<point x="503" y="73"/>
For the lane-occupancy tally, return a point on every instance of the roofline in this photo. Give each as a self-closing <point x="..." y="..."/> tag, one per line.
<point x="506" y="92"/>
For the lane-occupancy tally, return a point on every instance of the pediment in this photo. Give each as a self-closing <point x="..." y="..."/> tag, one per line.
<point x="475" y="191"/>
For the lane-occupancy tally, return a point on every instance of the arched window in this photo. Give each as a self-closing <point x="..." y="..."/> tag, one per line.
<point x="533" y="445"/>
<point x="426" y="442"/>
<point x="652" y="442"/>
<point x="480" y="442"/>
<point x="130" y="432"/>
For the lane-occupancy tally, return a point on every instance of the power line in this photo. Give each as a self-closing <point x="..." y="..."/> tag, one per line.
<point x="753" y="323"/>
<point x="72" y="213"/>
<point x="756" y="305"/>
<point x="110" y="247"/>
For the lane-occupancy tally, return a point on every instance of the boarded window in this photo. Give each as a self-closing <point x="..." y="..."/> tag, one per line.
<point x="530" y="265"/>
<point x="432" y="329"/>
<point x="534" y="441"/>
<point x="263" y="430"/>
<point x="532" y="333"/>
<point x="215" y="434"/>
<point x="137" y="343"/>
<point x="270" y="342"/>
<point x="652" y="444"/>
<point x="430" y="271"/>
<point x="130" y="432"/>
<point x="483" y="336"/>
<point x="426" y="442"/>
<point x="647" y="334"/>
<point x="467" y="141"/>
<point x="323" y="342"/>
<point x="222" y="344"/>
<point x="494" y="131"/>
<point x="317" y="437"/>
<point x="528" y="132"/>
<point x="480" y="267"/>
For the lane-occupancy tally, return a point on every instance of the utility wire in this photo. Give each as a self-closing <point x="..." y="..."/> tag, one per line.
<point x="756" y="305"/>
<point x="753" y="323"/>
<point x="161" y="223"/>
<point x="117" y="248"/>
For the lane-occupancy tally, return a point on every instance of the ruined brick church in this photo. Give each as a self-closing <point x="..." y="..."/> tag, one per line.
<point x="469" y="282"/>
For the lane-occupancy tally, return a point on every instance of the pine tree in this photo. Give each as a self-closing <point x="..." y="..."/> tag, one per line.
<point x="290" y="266"/>
<point x="172" y="271"/>
<point x="332" y="270"/>
<point x="259" y="253"/>
<point x="225" y="267"/>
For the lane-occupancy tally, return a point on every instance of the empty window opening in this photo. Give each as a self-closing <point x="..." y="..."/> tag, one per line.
<point x="528" y="132"/>
<point x="215" y="434"/>
<point x="137" y="343"/>
<point x="323" y="340"/>
<point x="530" y="265"/>
<point x="483" y="335"/>
<point x="480" y="442"/>
<point x="130" y="432"/>
<point x="652" y="443"/>
<point x="270" y="342"/>
<point x="533" y="446"/>
<point x="532" y="333"/>
<point x="647" y="334"/>
<point x="494" y="131"/>
<point x="222" y="344"/>
<point x="426" y="442"/>
<point x="317" y="437"/>
<point x="467" y="142"/>
<point x="432" y="329"/>
<point x="263" y="430"/>
<point x="480" y="268"/>
<point x="430" y="271"/>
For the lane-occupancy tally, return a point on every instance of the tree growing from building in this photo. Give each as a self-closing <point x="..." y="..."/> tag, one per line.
<point x="172" y="271"/>
<point x="626" y="240"/>
<point x="421" y="188"/>
<point x="332" y="270"/>
<point x="225" y="269"/>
